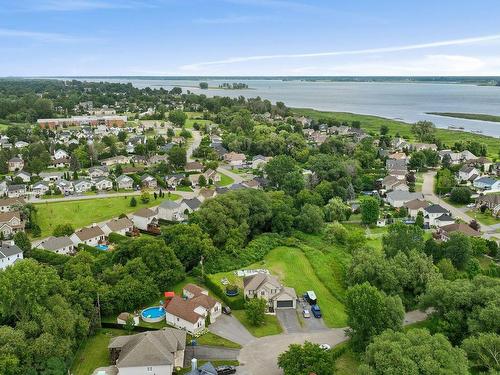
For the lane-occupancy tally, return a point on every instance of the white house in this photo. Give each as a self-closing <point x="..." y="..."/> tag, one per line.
<point x="468" y="173"/>
<point x="124" y="182"/>
<point x="96" y="172"/>
<point x="432" y="212"/>
<point x="487" y="183"/>
<point x="40" y="188"/>
<point x="60" y="154"/>
<point x="120" y="226"/>
<point x="152" y="352"/>
<point x="170" y="210"/>
<point x="51" y="176"/>
<point x="103" y="183"/>
<point x="9" y="254"/>
<point x="399" y="197"/>
<point x="24" y="176"/>
<point x="10" y="204"/>
<point x="16" y="191"/>
<point x="66" y="187"/>
<point x="144" y="217"/>
<point x="81" y="186"/>
<point x="89" y="236"/>
<point x="59" y="245"/>
<point x="190" y="312"/>
<point x="234" y="159"/>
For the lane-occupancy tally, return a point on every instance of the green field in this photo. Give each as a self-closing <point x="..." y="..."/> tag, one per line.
<point x="373" y="123"/>
<point x="468" y="116"/>
<point x="225" y="180"/>
<point x="80" y="213"/>
<point x="270" y="327"/>
<point x="93" y="352"/>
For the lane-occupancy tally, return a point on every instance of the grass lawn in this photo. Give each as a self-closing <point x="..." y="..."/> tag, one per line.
<point x="225" y="180"/>
<point x="93" y="352"/>
<point x="184" y="188"/>
<point x="373" y="123"/>
<point x="85" y="212"/>
<point x="270" y="327"/>
<point x="486" y="218"/>
<point x="347" y="363"/>
<point x="212" y="339"/>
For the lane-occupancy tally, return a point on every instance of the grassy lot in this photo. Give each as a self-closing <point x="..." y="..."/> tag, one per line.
<point x="270" y="327"/>
<point x="85" y="212"/>
<point x="486" y="218"/>
<point x="93" y="352"/>
<point x="212" y="339"/>
<point x="373" y="123"/>
<point x="468" y="116"/>
<point x="184" y="188"/>
<point x="225" y="180"/>
<point x="348" y="362"/>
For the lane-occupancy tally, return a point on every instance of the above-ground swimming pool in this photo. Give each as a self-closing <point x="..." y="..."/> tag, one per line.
<point x="103" y="247"/>
<point x="153" y="314"/>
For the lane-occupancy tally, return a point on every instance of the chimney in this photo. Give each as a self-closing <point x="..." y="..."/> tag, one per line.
<point x="194" y="364"/>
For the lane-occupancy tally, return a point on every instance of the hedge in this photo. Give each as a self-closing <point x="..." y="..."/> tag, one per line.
<point x="49" y="257"/>
<point x="235" y="303"/>
<point x="117" y="238"/>
<point x="90" y="249"/>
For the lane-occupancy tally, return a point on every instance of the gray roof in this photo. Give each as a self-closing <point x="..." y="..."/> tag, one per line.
<point x="254" y="282"/>
<point x="486" y="180"/>
<point x="445" y="217"/>
<point x="56" y="243"/>
<point x="119" y="224"/>
<point x="168" y="204"/>
<point x="123" y="177"/>
<point x="435" y="209"/>
<point x="192" y="203"/>
<point x="149" y="348"/>
<point x="401" y="195"/>
<point x="205" y="369"/>
<point x="9" y="250"/>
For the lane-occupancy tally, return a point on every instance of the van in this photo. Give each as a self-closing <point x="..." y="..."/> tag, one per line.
<point x="310" y="297"/>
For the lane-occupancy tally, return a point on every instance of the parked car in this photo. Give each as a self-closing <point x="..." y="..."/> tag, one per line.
<point x="325" y="346"/>
<point x="310" y="297"/>
<point x="226" y="310"/>
<point x="306" y="313"/>
<point x="316" y="311"/>
<point x="471" y="205"/>
<point x="225" y="370"/>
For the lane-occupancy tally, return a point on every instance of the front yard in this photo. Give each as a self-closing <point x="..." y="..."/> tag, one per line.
<point x="485" y="219"/>
<point x="270" y="327"/>
<point x="225" y="180"/>
<point x="84" y="212"/>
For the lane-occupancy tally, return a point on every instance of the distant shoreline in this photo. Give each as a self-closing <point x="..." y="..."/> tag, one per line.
<point x="467" y="116"/>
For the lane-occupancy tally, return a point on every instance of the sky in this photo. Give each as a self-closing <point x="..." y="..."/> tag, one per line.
<point x="249" y="37"/>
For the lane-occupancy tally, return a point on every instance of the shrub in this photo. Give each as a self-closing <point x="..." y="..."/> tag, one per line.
<point x="460" y="195"/>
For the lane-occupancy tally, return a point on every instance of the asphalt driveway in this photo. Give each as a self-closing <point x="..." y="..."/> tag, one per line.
<point x="289" y="320"/>
<point x="230" y="328"/>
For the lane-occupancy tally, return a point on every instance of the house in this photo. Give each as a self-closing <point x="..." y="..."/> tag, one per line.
<point x="482" y="162"/>
<point x="398" y="198"/>
<point x="468" y="173"/>
<point x="15" y="164"/>
<point x="152" y="352"/>
<point x="9" y="254"/>
<point x="11" y="223"/>
<point x="157" y="159"/>
<point x="423" y="146"/>
<point x="119" y="159"/>
<point x="219" y="149"/>
<point x="211" y="175"/>
<point x="170" y="210"/>
<point x="60" y="154"/>
<point x="205" y="194"/>
<point x="66" y="187"/>
<point x="120" y="226"/>
<point x="21" y="144"/>
<point x="251" y="184"/>
<point x="486" y="183"/>
<point x="205" y="369"/>
<point x="16" y="191"/>
<point x="11" y="204"/>
<point x="193" y="166"/>
<point x="400" y="185"/>
<point x="234" y="159"/>
<point x="445" y="232"/>
<point x="398" y="156"/>
<point x="189" y="205"/>
<point x="396" y="165"/>
<point x="148" y="181"/>
<point x="174" y="180"/>
<point x="443" y="220"/>
<point x="99" y="171"/>
<point x="59" y="245"/>
<point x="103" y="183"/>
<point x="60" y="163"/>
<point x="124" y="182"/>
<point x="24" y="176"/>
<point x="81" y="186"/>
<point x="40" y="188"/>
<point x="491" y="201"/>
<point x="51" y="176"/>
<point x="259" y="161"/>
<point x="432" y="212"/>
<point x="389" y="181"/>
<point x="124" y="316"/>
<point x="263" y="285"/>
<point x="189" y="313"/>
<point x="91" y="236"/>
<point x="415" y="206"/>
<point x="457" y="157"/>
<point x="144" y="217"/>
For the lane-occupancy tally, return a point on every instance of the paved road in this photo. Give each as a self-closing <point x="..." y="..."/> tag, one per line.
<point x="207" y="353"/>
<point x="229" y="327"/>
<point x="193" y="145"/>
<point x="428" y="191"/>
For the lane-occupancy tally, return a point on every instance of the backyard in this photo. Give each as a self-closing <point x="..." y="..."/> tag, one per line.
<point x="87" y="211"/>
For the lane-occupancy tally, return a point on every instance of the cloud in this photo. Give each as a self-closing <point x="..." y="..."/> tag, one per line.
<point x="444" y="43"/>
<point x="43" y="36"/>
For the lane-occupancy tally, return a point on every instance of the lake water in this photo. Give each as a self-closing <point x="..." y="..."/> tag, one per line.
<point x="403" y="101"/>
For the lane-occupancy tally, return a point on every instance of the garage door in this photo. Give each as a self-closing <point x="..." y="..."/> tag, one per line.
<point x="284" y="304"/>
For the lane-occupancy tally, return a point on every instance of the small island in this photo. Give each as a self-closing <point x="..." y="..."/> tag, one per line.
<point x="225" y="86"/>
<point x="468" y="116"/>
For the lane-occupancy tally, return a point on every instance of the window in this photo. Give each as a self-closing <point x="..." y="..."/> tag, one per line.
<point x="262" y="293"/>
<point x="150" y="369"/>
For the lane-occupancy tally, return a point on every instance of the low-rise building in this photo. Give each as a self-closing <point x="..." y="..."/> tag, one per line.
<point x="145" y="217"/>
<point x="468" y="173"/>
<point x="82" y="186"/>
<point x="24" y="176"/>
<point x="120" y="226"/>
<point x="11" y="204"/>
<point x="10" y="223"/>
<point x="99" y="171"/>
<point x="15" y="164"/>
<point x="170" y="210"/>
<point x="398" y="198"/>
<point x="445" y="232"/>
<point x="9" y="254"/>
<point x="148" y="181"/>
<point x="432" y="212"/>
<point x="265" y="286"/>
<point x="415" y="206"/>
<point x="16" y="191"/>
<point x="235" y="159"/>
<point x="40" y="188"/>
<point x="59" y="245"/>
<point x="124" y="182"/>
<point x="103" y="183"/>
<point x="90" y="236"/>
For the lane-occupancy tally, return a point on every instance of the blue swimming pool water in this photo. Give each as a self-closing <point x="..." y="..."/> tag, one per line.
<point x="153" y="312"/>
<point x="102" y="247"/>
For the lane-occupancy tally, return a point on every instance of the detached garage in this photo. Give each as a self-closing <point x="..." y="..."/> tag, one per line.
<point x="285" y="299"/>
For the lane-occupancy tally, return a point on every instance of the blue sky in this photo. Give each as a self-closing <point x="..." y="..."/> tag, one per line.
<point x="249" y="37"/>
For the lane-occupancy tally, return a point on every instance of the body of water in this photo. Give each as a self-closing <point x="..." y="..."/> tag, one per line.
<point x="408" y="102"/>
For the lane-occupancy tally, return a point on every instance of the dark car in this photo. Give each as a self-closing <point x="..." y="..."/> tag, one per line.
<point x="226" y="310"/>
<point x="316" y="311"/>
<point x="310" y="297"/>
<point x="225" y="370"/>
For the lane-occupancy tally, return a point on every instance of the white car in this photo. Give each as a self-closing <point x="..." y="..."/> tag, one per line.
<point x="306" y="313"/>
<point x="325" y="346"/>
<point x="470" y="205"/>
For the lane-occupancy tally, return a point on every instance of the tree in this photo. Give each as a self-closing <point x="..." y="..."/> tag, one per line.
<point x="310" y="219"/>
<point x="22" y="241"/>
<point x="129" y="324"/>
<point x="460" y="195"/>
<point x="413" y="352"/>
<point x="458" y="249"/>
<point x="337" y="210"/>
<point x="369" y="210"/>
<point x="483" y="351"/>
<point x="305" y="360"/>
<point x="177" y="117"/>
<point x="424" y="131"/>
<point x="177" y="157"/>
<point x="445" y="181"/>
<point x="384" y="129"/>
<point x="370" y="312"/>
<point x="202" y="181"/>
<point x="133" y="202"/>
<point x="418" y="161"/>
<point x="402" y="237"/>
<point x="203" y="85"/>
<point x="145" y="197"/>
<point x="63" y="230"/>
<point x="419" y="220"/>
<point x="255" y="311"/>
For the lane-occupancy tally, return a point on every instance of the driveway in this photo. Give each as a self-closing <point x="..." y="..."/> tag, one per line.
<point x="209" y="353"/>
<point x="230" y="328"/>
<point x="289" y="320"/>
